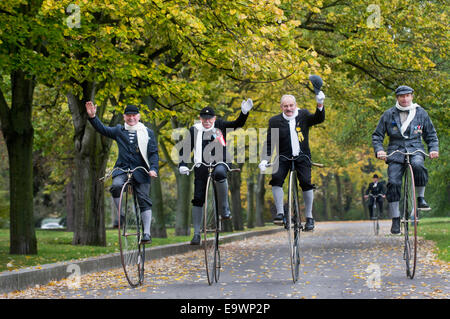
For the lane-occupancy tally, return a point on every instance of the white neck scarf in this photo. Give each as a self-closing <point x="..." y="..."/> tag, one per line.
<point x="411" y="115"/>
<point x="293" y="133"/>
<point x="142" y="137"/>
<point x="198" y="142"/>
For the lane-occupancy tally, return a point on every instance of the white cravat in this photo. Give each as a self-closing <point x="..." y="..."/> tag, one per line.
<point x="293" y="133"/>
<point x="198" y="142"/>
<point x="142" y="138"/>
<point x="411" y="115"/>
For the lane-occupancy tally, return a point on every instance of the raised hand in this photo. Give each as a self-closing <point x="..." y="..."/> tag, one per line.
<point x="91" y="109"/>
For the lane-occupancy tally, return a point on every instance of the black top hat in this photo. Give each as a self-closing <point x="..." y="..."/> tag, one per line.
<point x="131" y="109"/>
<point x="375" y="176"/>
<point x="403" y="89"/>
<point x="207" y="112"/>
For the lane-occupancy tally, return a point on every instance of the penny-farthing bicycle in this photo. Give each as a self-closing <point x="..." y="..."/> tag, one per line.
<point x="212" y="225"/>
<point x="292" y="220"/>
<point x="409" y="215"/>
<point x="130" y="230"/>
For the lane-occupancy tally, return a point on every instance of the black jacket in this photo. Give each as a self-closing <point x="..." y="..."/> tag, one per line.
<point x="420" y="128"/>
<point x="375" y="190"/>
<point x="218" y="124"/>
<point x="304" y="121"/>
<point x="129" y="154"/>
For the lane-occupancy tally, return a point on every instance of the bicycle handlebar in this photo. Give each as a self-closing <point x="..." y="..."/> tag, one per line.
<point x="406" y="154"/>
<point x="128" y="171"/>
<point x="375" y="196"/>
<point x="294" y="158"/>
<point x="214" y="165"/>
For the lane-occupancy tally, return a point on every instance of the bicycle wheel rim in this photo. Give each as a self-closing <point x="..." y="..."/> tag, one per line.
<point x="409" y="226"/>
<point x="217" y="260"/>
<point x="131" y="252"/>
<point x="210" y="223"/>
<point x="293" y="226"/>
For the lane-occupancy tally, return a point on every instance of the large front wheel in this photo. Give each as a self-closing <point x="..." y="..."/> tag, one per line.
<point x="293" y="226"/>
<point x="409" y="221"/>
<point x="130" y="230"/>
<point x="211" y="233"/>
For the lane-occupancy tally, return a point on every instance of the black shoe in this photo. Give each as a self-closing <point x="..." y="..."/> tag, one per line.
<point x="195" y="240"/>
<point x="226" y="214"/>
<point x="279" y="219"/>
<point x="422" y="204"/>
<point x="309" y="225"/>
<point x="146" y="239"/>
<point x="395" y="229"/>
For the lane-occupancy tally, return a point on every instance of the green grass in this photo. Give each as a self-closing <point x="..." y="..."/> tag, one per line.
<point x="55" y="246"/>
<point x="438" y="230"/>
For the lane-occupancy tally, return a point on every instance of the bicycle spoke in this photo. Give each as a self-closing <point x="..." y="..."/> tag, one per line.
<point x="409" y="220"/>
<point x="210" y="231"/>
<point x="131" y="251"/>
<point x="293" y="226"/>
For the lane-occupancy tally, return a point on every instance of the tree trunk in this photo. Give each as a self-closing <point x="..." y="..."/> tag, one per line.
<point x="182" y="224"/>
<point x="70" y="209"/>
<point x="260" y="192"/>
<point x="18" y="133"/>
<point x="236" y="205"/>
<point x="251" y="202"/>
<point x="184" y="187"/>
<point x="91" y="155"/>
<point x="326" y="207"/>
<point x="364" y="202"/>
<point x="339" y="204"/>
<point x="159" y="224"/>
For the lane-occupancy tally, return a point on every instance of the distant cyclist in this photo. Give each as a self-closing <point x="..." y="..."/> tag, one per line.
<point x="406" y="124"/>
<point x="207" y="139"/>
<point x="375" y="188"/>
<point x="293" y="128"/>
<point x="137" y="147"/>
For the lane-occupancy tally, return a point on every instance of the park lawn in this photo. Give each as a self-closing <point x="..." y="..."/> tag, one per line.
<point x="437" y="229"/>
<point x="55" y="246"/>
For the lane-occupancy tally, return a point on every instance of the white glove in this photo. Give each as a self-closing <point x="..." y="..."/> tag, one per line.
<point x="246" y="106"/>
<point x="184" y="170"/>
<point x="320" y="97"/>
<point x="263" y="166"/>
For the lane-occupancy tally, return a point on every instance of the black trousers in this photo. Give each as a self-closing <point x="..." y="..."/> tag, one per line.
<point x="379" y="205"/>
<point x="142" y="191"/>
<point x="201" y="176"/>
<point x="395" y="174"/>
<point x="303" y="168"/>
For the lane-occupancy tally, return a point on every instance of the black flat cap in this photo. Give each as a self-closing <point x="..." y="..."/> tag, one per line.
<point x="207" y="112"/>
<point x="403" y="89"/>
<point x="131" y="109"/>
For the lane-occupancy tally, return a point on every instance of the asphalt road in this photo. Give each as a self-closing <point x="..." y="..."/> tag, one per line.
<point x="340" y="260"/>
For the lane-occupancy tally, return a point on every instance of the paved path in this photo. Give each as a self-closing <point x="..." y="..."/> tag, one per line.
<point x="340" y="260"/>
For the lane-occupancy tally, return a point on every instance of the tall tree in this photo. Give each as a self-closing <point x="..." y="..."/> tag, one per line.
<point x="28" y="50"/>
